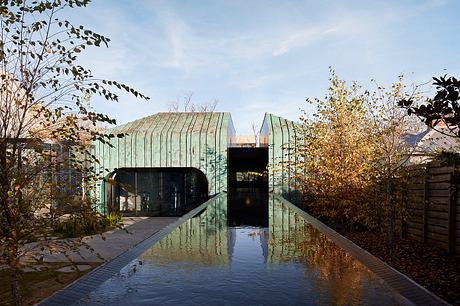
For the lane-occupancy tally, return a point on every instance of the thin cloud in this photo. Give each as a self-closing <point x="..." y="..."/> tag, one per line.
<point x="348" y="26"/>
<point x="177" y="33"/>
<point x="165" y="47"/>
<point x="301" y="38"/>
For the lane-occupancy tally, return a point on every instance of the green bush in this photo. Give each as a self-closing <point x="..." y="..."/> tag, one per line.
<point x="112" y="220"/>
<point x="84" y="223"/>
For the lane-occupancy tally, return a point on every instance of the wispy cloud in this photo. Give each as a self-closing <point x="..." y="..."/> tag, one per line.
<point x="302" y="38"/>
<point x="348" y="26"/>
<point x="267" y="61"/>
<point x="177" y="34"/>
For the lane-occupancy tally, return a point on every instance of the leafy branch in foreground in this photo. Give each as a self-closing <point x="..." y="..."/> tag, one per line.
<point x="442" y="112"/>
<point x="46" y="123"/>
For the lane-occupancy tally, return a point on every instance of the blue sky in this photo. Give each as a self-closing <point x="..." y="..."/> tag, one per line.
<point x="264" y="56"/>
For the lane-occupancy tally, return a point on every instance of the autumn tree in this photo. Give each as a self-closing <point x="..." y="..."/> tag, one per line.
<point x="391" y="128"/>
<point x="353" y="151"/>
<point x="335" y="156"/>
<point x="43" y="113"/>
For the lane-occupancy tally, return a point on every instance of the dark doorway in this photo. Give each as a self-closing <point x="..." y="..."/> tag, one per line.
<point x="247" y="186"/>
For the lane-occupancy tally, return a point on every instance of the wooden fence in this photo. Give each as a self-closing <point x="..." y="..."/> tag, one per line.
<point x="433" y="206"/>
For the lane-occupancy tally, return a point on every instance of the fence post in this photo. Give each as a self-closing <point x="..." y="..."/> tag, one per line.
<point x="451" y="213"/>
<point x="426" y="196"/>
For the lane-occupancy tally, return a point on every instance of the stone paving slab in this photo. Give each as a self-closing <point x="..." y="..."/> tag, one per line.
<point x="110" y="244"/>
<point x="71" y="269"/>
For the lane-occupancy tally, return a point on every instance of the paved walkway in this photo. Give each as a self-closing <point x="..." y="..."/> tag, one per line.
<point x="113" y="243"/>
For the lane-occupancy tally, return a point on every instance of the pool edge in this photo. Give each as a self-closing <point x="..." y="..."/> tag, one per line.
<point x="399" y="282"/>
<point x="81" y="287"/>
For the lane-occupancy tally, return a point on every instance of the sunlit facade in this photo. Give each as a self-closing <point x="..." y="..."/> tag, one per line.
<point x="168" y="163"/>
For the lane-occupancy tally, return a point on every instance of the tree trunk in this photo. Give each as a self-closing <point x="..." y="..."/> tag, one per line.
<point x="14" y="273"/>
<point x="15" y="286"/>
<point x="390" y="216"/>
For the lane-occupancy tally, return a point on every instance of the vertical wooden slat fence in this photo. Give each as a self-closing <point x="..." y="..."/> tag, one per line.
<point x="434" y="206"/>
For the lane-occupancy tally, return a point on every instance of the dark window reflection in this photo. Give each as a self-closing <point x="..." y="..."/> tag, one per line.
<point x="156" y="191"/>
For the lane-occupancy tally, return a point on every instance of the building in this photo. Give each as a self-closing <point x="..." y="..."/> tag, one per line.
<point x="429" y="142"/>
<point x="169" y="163"/>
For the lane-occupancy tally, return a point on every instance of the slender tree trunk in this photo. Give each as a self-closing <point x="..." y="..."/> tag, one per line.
<point x="15" y="286"/>
<point x="390" y="216"/>
<point x="14" y="269"/>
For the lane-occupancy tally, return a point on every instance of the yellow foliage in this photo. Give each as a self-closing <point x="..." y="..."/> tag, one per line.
<point x="352" y="148"/>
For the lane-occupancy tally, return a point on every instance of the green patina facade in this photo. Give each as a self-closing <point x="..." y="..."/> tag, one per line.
<point x="281" y="136"/>
<point x="171" y="140"/>
<point x="189" y="141"/>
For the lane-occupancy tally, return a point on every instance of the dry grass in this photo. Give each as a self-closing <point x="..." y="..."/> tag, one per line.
<point x="38" y="285"/>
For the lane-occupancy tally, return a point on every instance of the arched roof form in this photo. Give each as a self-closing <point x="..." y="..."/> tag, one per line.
<point x="179" y="139"/>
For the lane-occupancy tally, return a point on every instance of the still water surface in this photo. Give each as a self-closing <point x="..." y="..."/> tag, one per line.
<point x="207" y="262"/>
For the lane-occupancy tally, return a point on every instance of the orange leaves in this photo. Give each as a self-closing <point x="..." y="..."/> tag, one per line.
<point x="338" y="153"/>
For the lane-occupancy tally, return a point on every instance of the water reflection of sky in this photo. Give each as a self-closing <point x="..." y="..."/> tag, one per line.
<point x="204" y="262"/>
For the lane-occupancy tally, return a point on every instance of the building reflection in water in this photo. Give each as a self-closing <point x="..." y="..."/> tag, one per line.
<point x="299" y="261"/>
<point x="202" y="240"/>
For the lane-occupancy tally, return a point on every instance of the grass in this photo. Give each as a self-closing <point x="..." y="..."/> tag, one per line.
<point x="37" y="285"/>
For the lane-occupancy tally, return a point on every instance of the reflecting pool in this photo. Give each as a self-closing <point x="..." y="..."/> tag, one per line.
<point x="206" y="262"/>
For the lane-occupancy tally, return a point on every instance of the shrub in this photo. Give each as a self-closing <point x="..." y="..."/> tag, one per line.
<point x="86" y="223"/>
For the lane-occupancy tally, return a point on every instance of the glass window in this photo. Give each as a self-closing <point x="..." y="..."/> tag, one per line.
<point x="156" y="191"/>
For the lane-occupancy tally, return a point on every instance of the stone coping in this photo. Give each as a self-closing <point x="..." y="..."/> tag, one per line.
<point x="400" y="283"/>
<point x="84" y="285"/>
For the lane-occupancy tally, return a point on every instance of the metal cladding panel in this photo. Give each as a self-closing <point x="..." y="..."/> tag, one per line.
<point x="175" y="144"/>
<point x="148" y="142"/>
<point x="205" y="147"/>
<point x="135" y="150"/>
<point x="211" y="148"/>
<point x="226" y="131"/>
<point x="198" y="140"/>
<point x="157" y="139"/>
<point x="183" y="141"/>
<point x="280" y="136"/>
<point x="140" y="145"/>
<point x="190" y="141"/>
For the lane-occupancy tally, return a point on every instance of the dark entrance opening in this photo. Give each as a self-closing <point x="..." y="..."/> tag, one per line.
<point x="247" y="186"/>
<point x="155" y="191"/>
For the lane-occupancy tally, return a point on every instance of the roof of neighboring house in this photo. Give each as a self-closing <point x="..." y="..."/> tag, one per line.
<point x="413" y="139"/>
<point x="432" y="140"/>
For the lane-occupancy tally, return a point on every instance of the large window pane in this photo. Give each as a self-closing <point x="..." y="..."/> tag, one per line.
<point x="157" y="191"/>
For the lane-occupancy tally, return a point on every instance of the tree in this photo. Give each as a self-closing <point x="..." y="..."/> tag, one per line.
<point x="353" y="153"/>
<point x="43" y="113"/>
<point x="443" y="108"/>
<point x="392" y="126"/>
<point x="186" y="105"/>
<point x="336" y="154"/>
